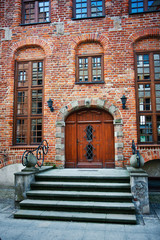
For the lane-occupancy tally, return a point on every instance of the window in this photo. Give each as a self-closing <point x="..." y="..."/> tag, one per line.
<point x="28" y="103"/>
<point x="35" y="11"/>
<point x="89" y="69"/>
<point x="138" y="6"/>
<point x="148" y="97"/>
<point x="88" y="8"/>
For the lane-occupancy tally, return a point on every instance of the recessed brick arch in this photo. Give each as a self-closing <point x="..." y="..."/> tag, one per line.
<point x="87" y="103"/>
<point x="145" y="33"/>
<point x="90" y="38"/>
<point x="31" y="42"/>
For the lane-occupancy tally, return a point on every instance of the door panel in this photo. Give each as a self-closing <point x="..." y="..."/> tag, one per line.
<point x="88" y="145"/>
<point x="109" y="145"/>
<point x="70" y="144"/>
<point x="89" y="139"/>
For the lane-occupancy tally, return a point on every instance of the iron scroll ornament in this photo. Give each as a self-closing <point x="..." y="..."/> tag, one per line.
<point x="39" y="152"/>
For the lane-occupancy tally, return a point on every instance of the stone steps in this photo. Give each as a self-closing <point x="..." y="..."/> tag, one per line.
<point x="82" y="206"/>
<point x="83" y="178"/>
<point x="80" y="196"/>
<point x="76" y="216"/>
<point x="85" y="186"/>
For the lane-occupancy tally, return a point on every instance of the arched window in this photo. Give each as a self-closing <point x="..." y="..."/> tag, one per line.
<point x="28" y="104"/>
<point x="148" y="96"/>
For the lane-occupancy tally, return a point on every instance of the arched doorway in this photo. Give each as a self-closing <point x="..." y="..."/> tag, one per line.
<point x="89" y="139"/>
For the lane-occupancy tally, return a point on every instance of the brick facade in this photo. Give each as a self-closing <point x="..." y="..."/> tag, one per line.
<point x="117" y="36"/>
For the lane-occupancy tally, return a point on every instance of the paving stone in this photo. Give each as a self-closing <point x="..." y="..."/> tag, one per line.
<point x="115" y="235"/>
<point x="140" y="236"/>
<point x="94" y="235"/>
<point x="96" y="226"/>
<point x="12" y="234"/>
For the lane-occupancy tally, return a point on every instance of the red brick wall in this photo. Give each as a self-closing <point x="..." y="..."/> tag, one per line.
<point x="118" y="34"/>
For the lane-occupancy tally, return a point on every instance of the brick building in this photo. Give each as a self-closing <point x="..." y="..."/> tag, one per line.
<point x="84" y="56"/>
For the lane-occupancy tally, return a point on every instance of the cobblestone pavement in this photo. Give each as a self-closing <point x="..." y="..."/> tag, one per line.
<point x="148" y="227"/>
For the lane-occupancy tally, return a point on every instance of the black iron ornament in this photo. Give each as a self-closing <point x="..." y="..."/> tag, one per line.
<point x="50" y="103"/>
<point x="32" y="157"/>
<point x="123" y="99"/>
<point x="135" y="151"/>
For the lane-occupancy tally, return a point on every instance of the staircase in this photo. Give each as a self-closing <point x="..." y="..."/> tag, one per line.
<point x="80" y="195"/>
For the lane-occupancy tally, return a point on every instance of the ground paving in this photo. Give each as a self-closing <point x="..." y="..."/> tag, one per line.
<point x="148" y="227"/>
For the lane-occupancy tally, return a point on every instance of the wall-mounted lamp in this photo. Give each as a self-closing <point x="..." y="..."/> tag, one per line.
<point x="123" y="99"/>
<point x="50" y="102"/>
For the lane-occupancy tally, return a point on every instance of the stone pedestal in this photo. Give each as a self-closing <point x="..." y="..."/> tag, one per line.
<point x="23" y="181"/>
<point x="139" y="189"/>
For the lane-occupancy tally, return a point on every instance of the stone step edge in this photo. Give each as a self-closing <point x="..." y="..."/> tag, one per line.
<point x="81" y="204"/>
<point x="90" y="177"/>
<point x="79" y="194"/>
<point x="76" y="216"/>
<point x="83" y="184"/>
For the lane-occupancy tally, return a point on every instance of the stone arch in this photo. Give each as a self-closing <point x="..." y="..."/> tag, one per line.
<point x="87" y="103"/>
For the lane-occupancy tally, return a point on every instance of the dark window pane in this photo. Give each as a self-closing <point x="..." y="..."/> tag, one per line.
<point x="37" y="73"/>
<point x="143" y="68"/>
<point x="137" y="6"/>
<point x="96" y="8"/>
<point x="144" y="96"/>
<point x="157" y="66"/>
<point x="158" y="128"/>
<point x="36" y="131"/>
<point x="145" y="129"/>
<point x="81" y="8"/>
<point x="22" y="103"/>
<point x="83" y="69"/>
<point x="29" y="11"/>
<point x="36" y="101"/>
<point x="96" y="69"/>
<point x="153" y="5"/>
<point x="21" y="132"/>
<point x="157" y="89"/>
<point x="22" y="74"/>
<point x="93" y="7"/>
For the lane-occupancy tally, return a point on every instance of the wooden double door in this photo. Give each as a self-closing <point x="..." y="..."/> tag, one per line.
<point x="89" y="139"/>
